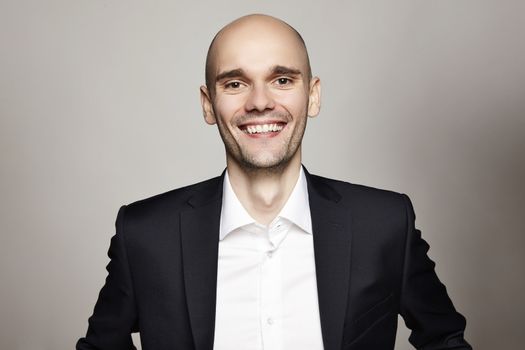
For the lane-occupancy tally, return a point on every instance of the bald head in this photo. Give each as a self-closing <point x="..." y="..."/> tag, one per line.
<point x="253" y="30"/>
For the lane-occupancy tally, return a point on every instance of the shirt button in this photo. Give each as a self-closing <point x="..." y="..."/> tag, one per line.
<point x="269" y="321"/>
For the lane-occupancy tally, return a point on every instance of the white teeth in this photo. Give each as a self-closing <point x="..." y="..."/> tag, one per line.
<point x="258" y="129"/>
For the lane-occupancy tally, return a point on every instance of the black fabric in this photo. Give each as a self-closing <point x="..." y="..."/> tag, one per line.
<point x="371" y="265"/>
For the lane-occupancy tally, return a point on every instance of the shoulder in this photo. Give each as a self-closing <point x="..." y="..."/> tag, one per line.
<point x="176" y="199"/>
<point x="360" y="197"/>
<point x="353" y="190"/>
<point x="374" y="212"/>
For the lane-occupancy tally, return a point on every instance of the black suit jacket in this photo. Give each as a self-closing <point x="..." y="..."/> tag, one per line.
<point x="371" y="265"/>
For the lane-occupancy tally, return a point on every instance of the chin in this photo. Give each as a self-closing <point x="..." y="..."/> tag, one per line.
<point x="265" y="164"/>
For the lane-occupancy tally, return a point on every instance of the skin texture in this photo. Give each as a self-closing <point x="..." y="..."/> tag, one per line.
<point x="260" y="74"/>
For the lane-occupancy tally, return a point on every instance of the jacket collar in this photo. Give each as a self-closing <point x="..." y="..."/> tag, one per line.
<point x="200" y="224"/>
<point x="331" y="224"/>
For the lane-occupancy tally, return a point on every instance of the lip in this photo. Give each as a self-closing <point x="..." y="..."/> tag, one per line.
<point x="244" y="126"/>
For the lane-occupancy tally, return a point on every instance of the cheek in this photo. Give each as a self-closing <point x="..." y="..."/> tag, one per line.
<point x="228" y="106"/>
<point x="294" y="103"/>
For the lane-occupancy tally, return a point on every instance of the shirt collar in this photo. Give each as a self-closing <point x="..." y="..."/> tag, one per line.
<point x="296" y="209"/>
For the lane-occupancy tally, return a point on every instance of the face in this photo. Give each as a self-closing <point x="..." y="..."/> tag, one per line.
<point x="261" y="95"/>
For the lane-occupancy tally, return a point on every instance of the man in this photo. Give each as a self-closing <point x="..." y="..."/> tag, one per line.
<point x="267" y="256"/>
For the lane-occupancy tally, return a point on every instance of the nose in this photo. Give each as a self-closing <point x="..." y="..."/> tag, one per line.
<point x="259" y="99"/>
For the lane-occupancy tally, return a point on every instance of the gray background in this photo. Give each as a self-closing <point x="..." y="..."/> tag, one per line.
<point x="99" y="107"/>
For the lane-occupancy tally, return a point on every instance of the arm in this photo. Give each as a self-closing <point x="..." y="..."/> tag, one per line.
<point x="114" y="318"/>
<point x="425" y="305"/>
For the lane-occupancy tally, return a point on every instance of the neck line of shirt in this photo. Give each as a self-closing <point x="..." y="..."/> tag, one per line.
<point x="296" y="209"/>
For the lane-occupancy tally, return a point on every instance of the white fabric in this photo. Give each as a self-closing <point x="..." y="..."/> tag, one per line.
<point x="266" y="284"/>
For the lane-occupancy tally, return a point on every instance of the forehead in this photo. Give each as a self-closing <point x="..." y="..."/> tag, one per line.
<point x="257" y="48"/>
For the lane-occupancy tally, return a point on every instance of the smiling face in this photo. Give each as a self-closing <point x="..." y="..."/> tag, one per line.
<point x="260" y="92"/>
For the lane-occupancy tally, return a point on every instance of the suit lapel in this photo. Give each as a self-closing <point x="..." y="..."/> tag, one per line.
<point x="200" y="239"/>
<point x="332" y="240"/>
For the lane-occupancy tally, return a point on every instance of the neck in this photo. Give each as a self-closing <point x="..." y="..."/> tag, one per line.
<point x="263" y="193"/>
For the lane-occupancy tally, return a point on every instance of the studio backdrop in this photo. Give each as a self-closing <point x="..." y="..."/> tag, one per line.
<point x="99" y="107"/>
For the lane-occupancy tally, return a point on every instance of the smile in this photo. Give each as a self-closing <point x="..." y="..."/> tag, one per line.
<point x="262" y="128"/>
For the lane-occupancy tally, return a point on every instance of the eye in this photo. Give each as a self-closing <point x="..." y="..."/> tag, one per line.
<point x="283" y="81"/>
<point x="232" y="85"/>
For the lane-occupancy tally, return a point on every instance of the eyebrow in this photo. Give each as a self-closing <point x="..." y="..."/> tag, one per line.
<point x="275" y="70"/>
<point x="234" y="73"/>
<point x="278" y="70"/>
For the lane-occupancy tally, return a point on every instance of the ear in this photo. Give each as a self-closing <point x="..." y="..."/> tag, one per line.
<point x="314" y="101"/>
<point x="207" y="108"/>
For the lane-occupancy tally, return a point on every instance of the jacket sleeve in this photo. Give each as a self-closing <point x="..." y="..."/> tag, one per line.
<point x="115" y="315"/>
<point x="425" y="306"/>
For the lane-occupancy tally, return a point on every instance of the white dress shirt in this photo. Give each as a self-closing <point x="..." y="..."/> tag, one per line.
<point x="266" y="284"/>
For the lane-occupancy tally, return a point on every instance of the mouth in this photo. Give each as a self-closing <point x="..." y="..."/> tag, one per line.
<point x="263" y="129"/>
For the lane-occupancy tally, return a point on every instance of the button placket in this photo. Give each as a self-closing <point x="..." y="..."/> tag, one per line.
<point x="271" y="300"/>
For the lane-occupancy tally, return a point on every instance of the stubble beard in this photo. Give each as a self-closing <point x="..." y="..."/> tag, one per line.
<point x="250" y="163"/>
